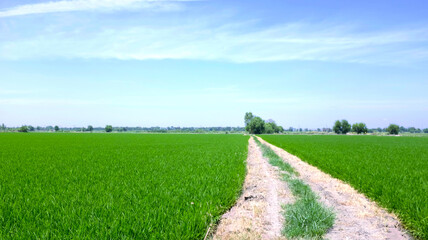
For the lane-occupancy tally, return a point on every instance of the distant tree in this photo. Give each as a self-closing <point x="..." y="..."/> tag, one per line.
<point x="425" y="130"/>
<point x="393" y="129"/>
<point x="90" y="128"/>
<point x="341" y="127"/>
<point x="346" y="127"/>
<point x="280" y="129"/>
<point x="256" y="126"/>
<point x="56" y="128"/>
<point x="403" y="129"/>
<point x="3" y="127"/>
<point x="23" y="129"/>
<point x="412" y="129"/>
<point x="269" y="128"/>
<point x="318" y="129"/>
<point x="354" y="128"/>
<point x="109" y="128"/>
<point x="337" y="128"/>
<point x="270" y="124"/>
<point x="248" y="117"/>
<point x="359" y="128"/>
<point x="290" y="129"/>
<point x="31" y="128"/>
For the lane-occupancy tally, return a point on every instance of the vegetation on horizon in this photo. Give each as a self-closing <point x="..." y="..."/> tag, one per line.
<point x="256" y="125"/>
<point x="391" y="171"/>
<point x="117" y="186"/>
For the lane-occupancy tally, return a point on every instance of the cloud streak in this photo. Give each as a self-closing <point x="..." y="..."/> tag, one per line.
<point x="227" y="43"/>
<point x="197" y="37"/>
<point x="89" y="5"/>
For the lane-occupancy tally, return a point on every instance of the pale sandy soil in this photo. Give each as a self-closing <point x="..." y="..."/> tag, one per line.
<point x="257" y="214"/>
<point x="357" y="217"/>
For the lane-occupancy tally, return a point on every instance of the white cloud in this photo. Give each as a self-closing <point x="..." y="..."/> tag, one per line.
<point x="88" y="5"/>
<point x="207" y="38"/>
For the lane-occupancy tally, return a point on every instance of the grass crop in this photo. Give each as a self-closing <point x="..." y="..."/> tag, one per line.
<point x="117" y="186"/>
<point x="306" y="217"/>
<point x="390" y="170"/>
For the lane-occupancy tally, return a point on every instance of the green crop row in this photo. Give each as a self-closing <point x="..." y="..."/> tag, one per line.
<point x="390" y="170"/>
<point x="117" y="186"/>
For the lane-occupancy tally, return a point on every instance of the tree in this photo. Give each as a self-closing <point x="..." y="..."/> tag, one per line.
<point x="393" y="129"/>
<point x="248" y="117"/>
<point x="3" y="127"/>
<point x="90" y="128"/>
<point x="56" y="128"/>
<point x="109" y="128"/>
<point x="270" y="124"/>
<point x="359" y="128"/>
<point x="425" y="130"/>
<point x="337" y="128"/>
<point x="256" y="125"/>
<point x="346" y="127"/>
<point x="269" y="128"/>
<point x="30" y="128"/>
<point x="23" y="129"/>
<point x="341" y="127"/>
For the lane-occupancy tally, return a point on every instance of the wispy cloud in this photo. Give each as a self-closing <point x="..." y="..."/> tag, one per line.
<point x="200" y="37"/>
<point x="275" y="43"/>
<point x="89" y="5"/>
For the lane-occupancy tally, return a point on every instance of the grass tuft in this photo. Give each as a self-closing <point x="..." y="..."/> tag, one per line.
<point x="306" y="217"/>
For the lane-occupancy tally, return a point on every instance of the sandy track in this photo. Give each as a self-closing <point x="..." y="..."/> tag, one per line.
<point x="257" y="214"/>
<point x="357" y="217"/>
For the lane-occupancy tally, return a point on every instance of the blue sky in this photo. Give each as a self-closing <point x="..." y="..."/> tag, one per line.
<point x="205" y="63"/>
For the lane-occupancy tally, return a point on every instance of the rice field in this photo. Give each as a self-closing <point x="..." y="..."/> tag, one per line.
<point x="117" y="186"/>
<point x="390" y="170"/>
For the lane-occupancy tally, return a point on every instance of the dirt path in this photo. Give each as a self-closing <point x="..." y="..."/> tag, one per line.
<point x="257" y="214"/>
<point x="356" y="216"/>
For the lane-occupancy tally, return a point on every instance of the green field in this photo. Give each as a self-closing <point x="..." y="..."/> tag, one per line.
<point x="111" y="186"/>
<point x="391" y="170"/>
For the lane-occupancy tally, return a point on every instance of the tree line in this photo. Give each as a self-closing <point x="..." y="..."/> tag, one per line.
<point x="253" y="124"/>
<point x="343" y="127"/>
<point x="110" y="128"/>
<point x="256" y="125"/>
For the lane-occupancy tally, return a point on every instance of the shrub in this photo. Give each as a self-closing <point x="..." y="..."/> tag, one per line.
<point x="23" y="129"/>
<point x="393" y="129"/>
<point x="359" y="128"/>
<point x="109" y="128"/>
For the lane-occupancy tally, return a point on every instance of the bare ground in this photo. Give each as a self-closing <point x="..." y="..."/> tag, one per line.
<point x="357" y="217"/>
<point x="257" y="213"/>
